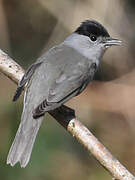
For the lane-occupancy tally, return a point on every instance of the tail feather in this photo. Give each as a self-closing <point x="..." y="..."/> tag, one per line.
<point x="21" y="148"/>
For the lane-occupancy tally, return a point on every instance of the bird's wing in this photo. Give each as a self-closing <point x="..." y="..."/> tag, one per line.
<point x="62" y="90"/>
<point x="27" y="76"/>
<point x="71" y="82"/>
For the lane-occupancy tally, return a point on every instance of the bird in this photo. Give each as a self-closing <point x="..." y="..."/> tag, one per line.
<point x="60" y="74"/>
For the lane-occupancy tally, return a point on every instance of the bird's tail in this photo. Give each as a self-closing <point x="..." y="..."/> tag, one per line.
<point x="21" y="148"/>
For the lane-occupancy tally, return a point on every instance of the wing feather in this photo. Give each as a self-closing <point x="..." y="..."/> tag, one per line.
<point x="64" y="88"/>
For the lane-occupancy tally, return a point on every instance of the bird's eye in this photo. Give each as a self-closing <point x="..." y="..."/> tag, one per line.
<point x="93" y="38"/>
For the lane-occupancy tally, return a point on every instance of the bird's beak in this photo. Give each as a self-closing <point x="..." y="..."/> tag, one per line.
<point x="109" y="41"/>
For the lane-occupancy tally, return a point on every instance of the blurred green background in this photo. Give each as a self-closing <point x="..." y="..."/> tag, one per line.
<point x="107" y="106"/>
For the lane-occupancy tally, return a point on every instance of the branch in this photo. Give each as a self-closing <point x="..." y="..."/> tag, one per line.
<point x="66" y="117"/>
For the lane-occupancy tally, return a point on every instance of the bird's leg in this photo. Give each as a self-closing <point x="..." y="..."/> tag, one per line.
<point x="63" y="115"/>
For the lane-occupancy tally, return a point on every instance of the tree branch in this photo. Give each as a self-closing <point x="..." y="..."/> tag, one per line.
<point x="66" y="117"/>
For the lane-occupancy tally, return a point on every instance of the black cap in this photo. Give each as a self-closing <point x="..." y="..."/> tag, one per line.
<point x="92" y="27"/>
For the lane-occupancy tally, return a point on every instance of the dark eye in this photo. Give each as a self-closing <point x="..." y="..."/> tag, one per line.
<point x="93" y="38"/>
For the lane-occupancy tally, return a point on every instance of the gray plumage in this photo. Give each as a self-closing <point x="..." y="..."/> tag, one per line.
<point x="57" y="76"/>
